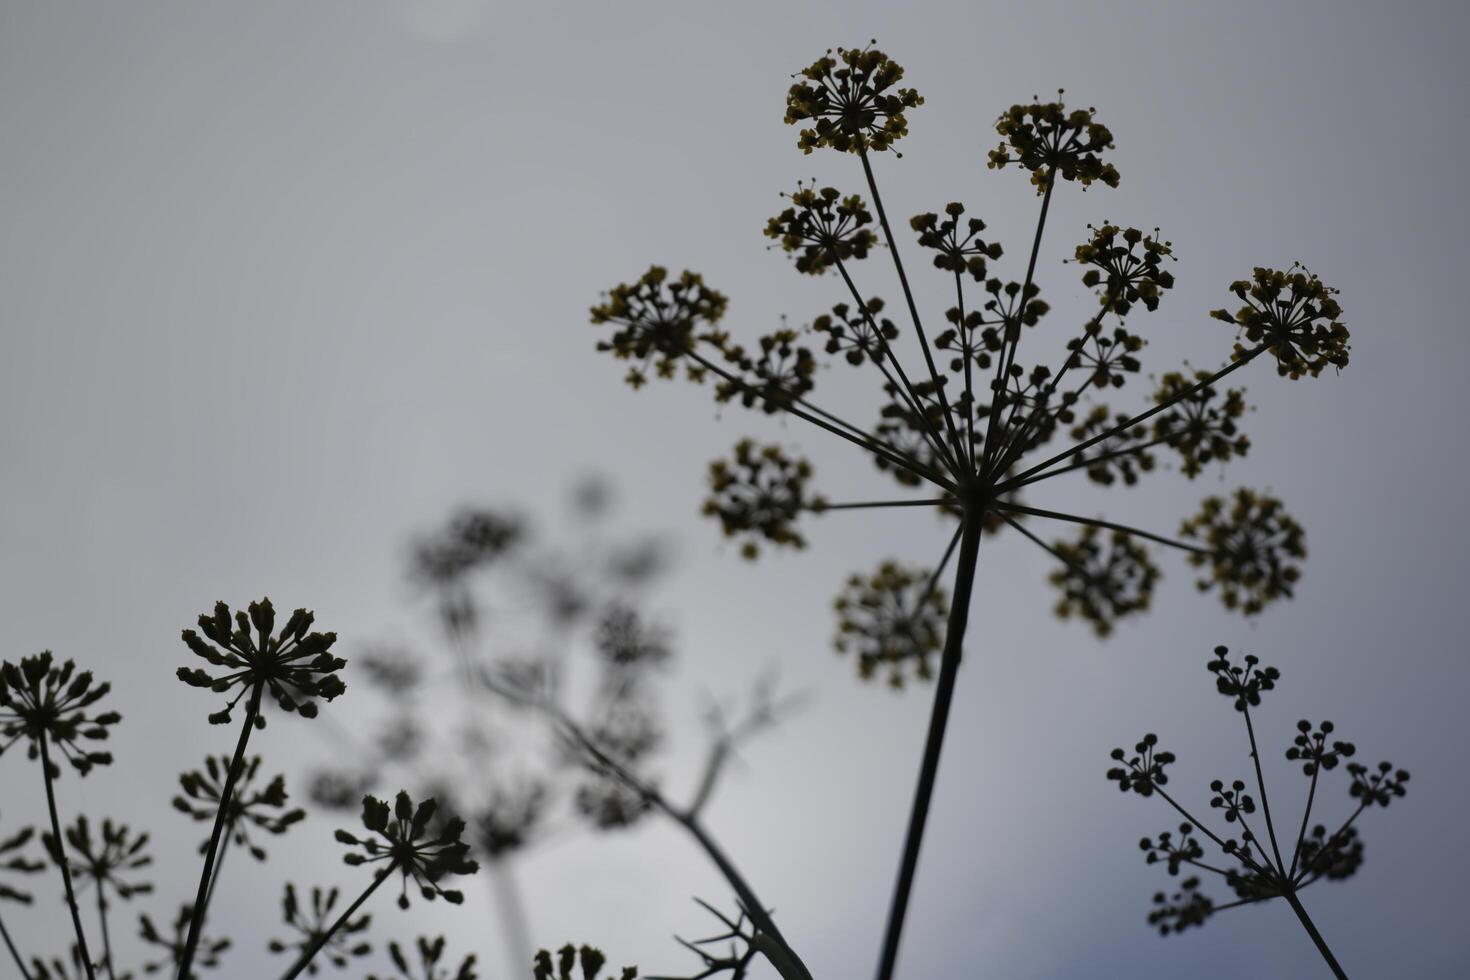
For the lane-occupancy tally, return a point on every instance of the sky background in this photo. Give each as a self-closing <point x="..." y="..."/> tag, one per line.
<point x="283" y="283"/>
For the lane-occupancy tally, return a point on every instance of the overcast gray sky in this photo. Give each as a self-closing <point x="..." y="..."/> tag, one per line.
<point x="281" y="283"/>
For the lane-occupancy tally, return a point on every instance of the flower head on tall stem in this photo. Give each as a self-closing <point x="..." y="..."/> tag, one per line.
<point x="294" y="665"/>
<point x="40" y="699"/>
<point x="1268" y="864"/>
<point x="313" y="925"/>
<point x="399" y="835"/>
<point x="207" y="955"/>
<point x="105" y="860"/>
<point x="251" y="806"/>
<point x="851" y="102"/>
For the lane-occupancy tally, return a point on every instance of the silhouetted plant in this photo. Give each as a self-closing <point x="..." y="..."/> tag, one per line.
<point x="204" y="953"/>
<point x="564" y="616"/>
<point x="1262" y="870"/>
<point x="315" y="932"/>
<point x="970" y="428"/>
<point x="430" y="952"/>
<point x="103" y="863"/>
<point x="14" y="858"/>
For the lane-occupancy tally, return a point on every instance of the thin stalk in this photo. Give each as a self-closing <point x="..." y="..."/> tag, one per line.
<point x="866" y="504"/>
<point x="786" y="960"/>
<point x="907" y="391"/>
<point x="321" y="940"/>
<point x="227" y="795"/>
<point x="963" y="331"/>
<point x="959" y="612"/>
<point x="71" y="897"/>
<point x="106" y="939"/>
<point x="1261" y="785"/>
<point x="1245" y="359"/>
<point x="514" y="931"/>
<point x="14" y="953"/>
<point x="1092" y="461"/>
<point x="1301" y="835"/>
<point x="1095" y="522"/>
<point x="865" y="441"/>
<point x="1306" y="920"/>
<point x="1007" y="353"/>
<point x="908" y="295"/>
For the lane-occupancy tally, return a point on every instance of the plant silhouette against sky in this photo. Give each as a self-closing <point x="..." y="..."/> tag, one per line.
<point x="960" y="414"/>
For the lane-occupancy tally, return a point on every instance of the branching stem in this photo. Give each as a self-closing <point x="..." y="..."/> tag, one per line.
<point x="320" y="941"/>
<point x="71" y="897"/>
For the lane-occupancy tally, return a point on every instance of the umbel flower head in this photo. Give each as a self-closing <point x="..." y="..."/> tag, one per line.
<point x="13" y="859"/>
<point x="1267" y="863"/>
<point x="105" y="860"/>
<point x="294" y="665"/>
<point x="851" y="102"/>
<point x="892" y="620"/>
<point x="758" y="495"/>
<point x="311" y="923"/>
<point x="823" y="228"/>
<point x="430" y="951"/>
<point x="401" y="837"/>
<point x="1105" y="577"/>
<point x="42" y="700"/>
<point x="657" y="320"/>
<point x="251" y="806"/>
<point x="207" y="954"/>
<point x="1252" y="549"/>
<point x="1295" y="315"/>
<point x="1047" y="139"/>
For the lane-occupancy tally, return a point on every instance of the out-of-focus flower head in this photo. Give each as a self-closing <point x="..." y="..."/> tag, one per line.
<point x="1105" y="577"/>
<point x="656" y="320"/>
<point x="1252" y="549"/>
<point x="263" y="808"/>
<point x="312" y="923"/>
<point x="758" y="495"/>
<point x="892" y="620"/>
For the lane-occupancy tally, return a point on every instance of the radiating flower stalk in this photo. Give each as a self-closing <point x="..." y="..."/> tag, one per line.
<point x="968" y="420"/>
<point x="1262" y="871"/>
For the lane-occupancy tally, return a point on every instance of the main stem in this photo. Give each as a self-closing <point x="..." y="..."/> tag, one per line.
<point x="321" y="940"/>
<point x="71" y="897"/>
<point x="14" y="953"/>
<point x="1301" y="913"/>
<point x="227" y="795"/>
<point x="959" y="612"/>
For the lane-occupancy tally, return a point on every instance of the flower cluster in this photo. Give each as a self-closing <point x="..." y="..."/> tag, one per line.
<point x="104" y="861"/>
<point x="823" y="228"/>
<point x="1295" y="316"/>
<point x="656" y="319"/>
<point x="207" y="954"/>
<point x="955" y="252"/>
<point x="1103" y="578"/>
<point x="1200" y="424"/>
<point x="315" y="933"/>
<point x="295" y="665"/>
<point x="1252" y="548"/>
<point x="1144" y="772"/>
<point x="851" y="102"/>
<point x="892" y="620"/>
<point x="586" y="961"/>
<point x="1128" y="265"/>
<point x="401" y="838"/>
<point x="758" y="495"/>
<point x="1046" y="139"/>
<point x="250" y="805"/>
<point x="43" y="703"/>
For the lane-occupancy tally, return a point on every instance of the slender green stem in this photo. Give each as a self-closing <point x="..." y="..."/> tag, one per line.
<point x="227" y="796"/>
<point x="908" y="295"/>
<point x="959" y="612"/>
<point x="1306" y="920"/>
<point x="1261" y="785"/>
<point x="14" y="953"/>
<point x="71" y="897"/>
<point x="321" y="940"/>
<point x="106" y="939"/>
<point x="1094" y="522"/>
